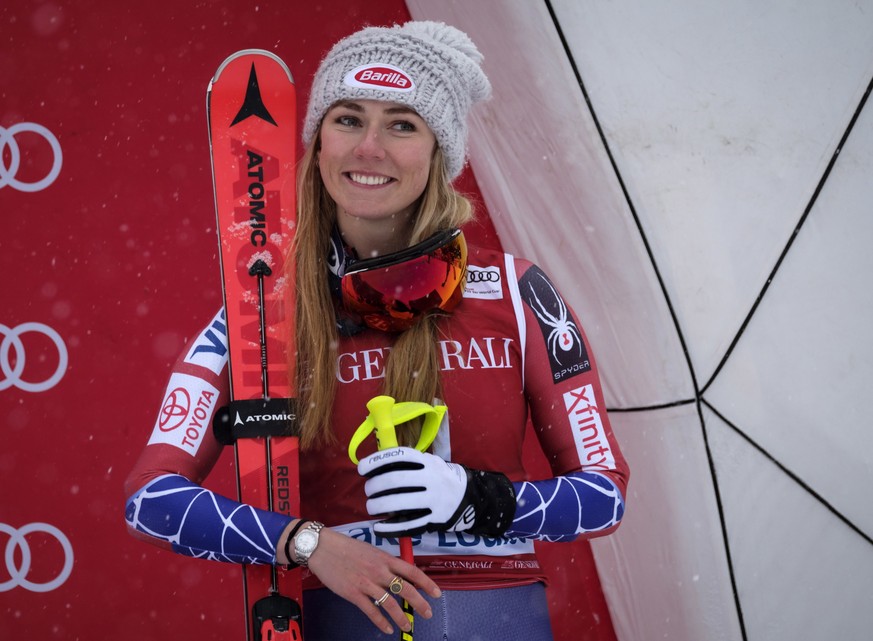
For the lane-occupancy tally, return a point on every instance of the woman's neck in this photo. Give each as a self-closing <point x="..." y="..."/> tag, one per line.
<point x="371" y="238"/>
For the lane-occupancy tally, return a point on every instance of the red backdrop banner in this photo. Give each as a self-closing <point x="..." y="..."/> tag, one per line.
<point x="108" y="264"/>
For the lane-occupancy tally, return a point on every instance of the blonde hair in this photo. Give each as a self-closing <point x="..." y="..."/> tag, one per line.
<point x="412" y="370"/>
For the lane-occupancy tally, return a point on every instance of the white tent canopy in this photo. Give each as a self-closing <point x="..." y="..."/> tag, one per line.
<point x="696" y="177"/>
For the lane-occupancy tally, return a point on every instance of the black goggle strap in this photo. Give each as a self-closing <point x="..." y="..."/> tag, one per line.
<point x="425" y="247"/>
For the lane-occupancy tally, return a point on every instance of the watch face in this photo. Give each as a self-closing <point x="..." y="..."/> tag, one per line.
<point x="305" y="542"/>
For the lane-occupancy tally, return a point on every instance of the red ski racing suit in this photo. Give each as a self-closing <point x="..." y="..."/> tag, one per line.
<point x="512" y="353"/>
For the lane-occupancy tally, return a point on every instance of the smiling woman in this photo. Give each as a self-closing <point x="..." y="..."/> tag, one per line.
<point x="374" y="159"/>
<point x="394" y="305"/>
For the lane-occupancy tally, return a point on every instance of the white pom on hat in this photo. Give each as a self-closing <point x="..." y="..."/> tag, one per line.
<point x="442" y="33"/>
<point x="430" y="67"/>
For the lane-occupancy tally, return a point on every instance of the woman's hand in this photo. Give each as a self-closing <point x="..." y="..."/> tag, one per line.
<point x="414" y="492"/>
<point x="361" y="573"/>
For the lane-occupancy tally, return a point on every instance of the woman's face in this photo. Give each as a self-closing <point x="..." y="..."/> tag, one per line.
<point x="374" y="160"/>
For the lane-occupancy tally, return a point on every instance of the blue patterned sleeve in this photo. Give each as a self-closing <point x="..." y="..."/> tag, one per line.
<point x="562" y="508"/>
<point x="202" y="524"/>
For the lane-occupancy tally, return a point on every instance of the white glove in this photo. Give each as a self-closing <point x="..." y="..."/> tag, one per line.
<point x="421" y="492"/>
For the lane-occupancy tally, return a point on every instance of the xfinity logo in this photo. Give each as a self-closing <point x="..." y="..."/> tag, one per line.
<point x="588" y="432"/>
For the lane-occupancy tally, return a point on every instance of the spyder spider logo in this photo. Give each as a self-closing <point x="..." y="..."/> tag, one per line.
<point x="564" y="333"/>
<point x="567" y="353"/>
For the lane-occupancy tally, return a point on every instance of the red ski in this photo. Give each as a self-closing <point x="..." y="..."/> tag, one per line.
<point x="251" y="106"/>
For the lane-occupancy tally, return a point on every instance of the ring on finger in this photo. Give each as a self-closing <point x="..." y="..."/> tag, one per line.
<point x="378" y="602"/>
<point x="396" y="585"/>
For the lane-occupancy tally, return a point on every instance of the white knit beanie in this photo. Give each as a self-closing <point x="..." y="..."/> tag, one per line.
<point x="428" y="66"/>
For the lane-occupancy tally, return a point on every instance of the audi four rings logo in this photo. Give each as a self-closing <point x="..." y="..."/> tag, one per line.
<point x="19" y="569"/>
<point x="13" y="368"/>
<point x="8" y="141"/>
<point x="477" y="276"/>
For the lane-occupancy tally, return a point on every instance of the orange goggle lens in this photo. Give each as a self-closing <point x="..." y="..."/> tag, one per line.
<point x="392" y="292"/>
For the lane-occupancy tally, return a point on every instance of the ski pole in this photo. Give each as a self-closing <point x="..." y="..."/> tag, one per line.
<point x="278" y="614"/>
<point x="384" y="415"/>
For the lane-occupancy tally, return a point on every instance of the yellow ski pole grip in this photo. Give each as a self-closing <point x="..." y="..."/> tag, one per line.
<point x="385" y="414"/>
<point x="381" y="413"/>
<point x="431" y="426"/>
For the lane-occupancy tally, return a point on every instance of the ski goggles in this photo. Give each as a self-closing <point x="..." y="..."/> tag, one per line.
<point x="393" y="292"/>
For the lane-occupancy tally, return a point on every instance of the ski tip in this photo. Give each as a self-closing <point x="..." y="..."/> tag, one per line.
<point x="250" y="52"/>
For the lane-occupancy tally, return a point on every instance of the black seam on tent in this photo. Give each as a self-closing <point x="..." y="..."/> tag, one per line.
<point x="646" y="408"/>
<point x="794" y="477"/>
<point x="803" y="217"/>
<point x="626" y="194"/>
<point x="698" y="391"/>
<point x="662" y="285"/>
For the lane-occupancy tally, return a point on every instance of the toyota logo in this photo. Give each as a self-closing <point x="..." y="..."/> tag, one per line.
<point x="18" y="571"/>
<point x="8" y="141"/>
<point x="13" y="345"/>
<point x="175" y="409"/>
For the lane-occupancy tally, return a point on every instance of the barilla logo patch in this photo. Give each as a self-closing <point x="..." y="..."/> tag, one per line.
<point x="379" y="76"/>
